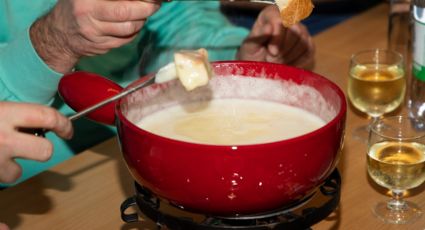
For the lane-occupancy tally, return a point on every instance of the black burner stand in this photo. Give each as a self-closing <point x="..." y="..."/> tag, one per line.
<point x="149" y="205"/>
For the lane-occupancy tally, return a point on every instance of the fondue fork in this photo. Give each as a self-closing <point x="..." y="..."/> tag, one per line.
<point x="123" y="93"/>
<point x="164" y="74"/>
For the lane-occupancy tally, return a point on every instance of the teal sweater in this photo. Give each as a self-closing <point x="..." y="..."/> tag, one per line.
<point x="25" y="77"/>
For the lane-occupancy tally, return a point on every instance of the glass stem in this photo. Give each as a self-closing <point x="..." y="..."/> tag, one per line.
<point x="397" y="203"/>
<point x="374" y="118"/>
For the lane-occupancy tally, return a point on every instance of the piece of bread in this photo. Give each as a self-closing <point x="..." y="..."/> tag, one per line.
<point x="293" y="11"/>
<point x="193" y="68"/>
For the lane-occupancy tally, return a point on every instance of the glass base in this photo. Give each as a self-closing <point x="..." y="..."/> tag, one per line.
<point x="407" y="213"/>
<point x="361" y="133"/>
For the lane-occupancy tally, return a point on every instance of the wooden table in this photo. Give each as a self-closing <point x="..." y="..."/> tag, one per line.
<point x="86" y="191"/>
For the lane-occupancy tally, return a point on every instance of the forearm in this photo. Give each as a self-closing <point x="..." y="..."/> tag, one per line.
<point x="50" y="44"/>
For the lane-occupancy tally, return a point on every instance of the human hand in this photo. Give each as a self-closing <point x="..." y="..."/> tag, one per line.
<point x="4" y="227"/>
<point x="16" y="144"/>
<point x="271" y="42"/>
<point x="76" y="28"/>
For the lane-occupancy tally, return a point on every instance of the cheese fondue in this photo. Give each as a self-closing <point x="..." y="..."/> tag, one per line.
<point x="231" y="122"/>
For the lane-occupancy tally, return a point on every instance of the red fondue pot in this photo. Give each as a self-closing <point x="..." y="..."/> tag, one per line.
<point x="230" y="180"/>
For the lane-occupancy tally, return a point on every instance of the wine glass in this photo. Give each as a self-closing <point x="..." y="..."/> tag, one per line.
<point x="396" y="160"/>
<point x="376" y="84"/>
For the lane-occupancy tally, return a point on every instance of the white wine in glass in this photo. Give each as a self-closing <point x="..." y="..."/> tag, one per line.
<point x="376" y="83"/>
<point x="396" y="160"/>
<point x="376" y="89"/>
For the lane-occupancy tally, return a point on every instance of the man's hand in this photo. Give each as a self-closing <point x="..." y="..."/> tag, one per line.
<point x="16" y="144"/>
<point x="270" y="41"/>
<point x="76" y="28"/>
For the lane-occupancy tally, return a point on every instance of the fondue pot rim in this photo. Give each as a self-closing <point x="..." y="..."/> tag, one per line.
<point x="119" y="116"/>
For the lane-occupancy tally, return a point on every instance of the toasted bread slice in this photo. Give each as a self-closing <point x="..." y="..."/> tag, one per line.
<point x="293" y="11"/>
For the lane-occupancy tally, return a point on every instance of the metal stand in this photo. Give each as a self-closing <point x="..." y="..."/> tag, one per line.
<point x="280" y="220"/>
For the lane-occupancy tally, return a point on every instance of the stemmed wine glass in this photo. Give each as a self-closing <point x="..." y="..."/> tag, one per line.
<point x="376" y="83"/>
<point x="396" y="160"/>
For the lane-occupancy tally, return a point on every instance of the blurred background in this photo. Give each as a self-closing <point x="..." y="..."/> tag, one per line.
<point x="326" y="13"/>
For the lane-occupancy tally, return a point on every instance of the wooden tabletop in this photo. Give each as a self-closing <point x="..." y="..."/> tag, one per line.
<point x="87" y="191"/>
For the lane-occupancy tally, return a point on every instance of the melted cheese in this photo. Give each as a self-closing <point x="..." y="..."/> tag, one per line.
<point x="231" y="122"/>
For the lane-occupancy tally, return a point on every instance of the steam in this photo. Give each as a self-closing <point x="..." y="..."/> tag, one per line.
<point x="157" y="97"/>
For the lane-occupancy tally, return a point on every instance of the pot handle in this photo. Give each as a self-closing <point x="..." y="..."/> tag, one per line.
<point x="132" y="217"/>
<point x="90" y="94"/>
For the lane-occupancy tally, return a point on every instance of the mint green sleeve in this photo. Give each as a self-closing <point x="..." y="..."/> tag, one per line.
<point x="23" y="75"/>
<point x="176" y="26"/>
<point x="190" y="25"/>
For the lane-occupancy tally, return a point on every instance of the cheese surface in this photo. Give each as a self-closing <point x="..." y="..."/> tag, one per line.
<point x="231" y="122"/>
